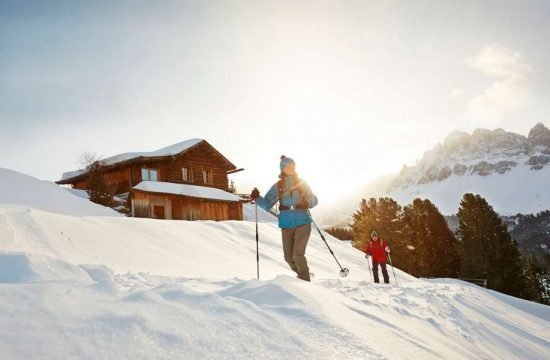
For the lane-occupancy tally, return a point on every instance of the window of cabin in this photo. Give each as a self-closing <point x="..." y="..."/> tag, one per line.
<point x="207" y="177"/>
<point x="149" y="174"/>
<point x="187" y="174"/>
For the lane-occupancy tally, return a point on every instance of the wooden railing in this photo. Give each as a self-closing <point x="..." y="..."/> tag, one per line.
<point x="479" y="282"/>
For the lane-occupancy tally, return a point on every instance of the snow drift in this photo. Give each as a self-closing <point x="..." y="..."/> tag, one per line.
<point x="145" y="316"/>
<point x="22" y="268"/>
<point x="23" y="191"/>
<point x="95" y="287"/>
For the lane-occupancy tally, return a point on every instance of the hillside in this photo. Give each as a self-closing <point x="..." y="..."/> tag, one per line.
<point x="92" y="287"/>
<point x="22" y="191"/>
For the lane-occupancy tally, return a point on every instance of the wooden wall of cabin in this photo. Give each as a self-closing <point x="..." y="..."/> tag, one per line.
<point x="184" y="208"/>
<point x="156" y="206"/>
<point x="117" y="181"/>
<point x="121" y="180"/>
<point x="172" y="171"/>
<point x="81" y="185"/>
<point x="203" y="157"/>
<point x="235" y="211"/>
<point x="140" y="205"/>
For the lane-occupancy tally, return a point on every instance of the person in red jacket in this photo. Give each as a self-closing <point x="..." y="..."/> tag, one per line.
<point x="378" y="248"/>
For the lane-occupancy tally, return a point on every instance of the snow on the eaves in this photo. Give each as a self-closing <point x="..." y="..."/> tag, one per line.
<point x="166" y="151"/>
<point x="186" y="190"/>
<point x="71" y="174"/>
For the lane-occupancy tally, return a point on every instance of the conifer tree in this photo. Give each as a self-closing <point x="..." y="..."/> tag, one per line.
<point x="382" y="215"/>
<point x="532" y="290"/>
<point x="543" y="285"/>
<point x="340" y="232"/>
<point x="431" y="248"/>
<point x="486" y="248"/>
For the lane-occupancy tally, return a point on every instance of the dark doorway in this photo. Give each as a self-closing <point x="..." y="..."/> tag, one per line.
<point x="159" y="212"/>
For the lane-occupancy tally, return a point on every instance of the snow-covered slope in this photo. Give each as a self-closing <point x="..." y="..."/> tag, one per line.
<point x="518" y="191"/>
<point x="24" y="191"/>
<point x="141" y="316"/>
<point x="172" y="248"/>
<point x="96" y="287"/>
<point x="510" y="170"/>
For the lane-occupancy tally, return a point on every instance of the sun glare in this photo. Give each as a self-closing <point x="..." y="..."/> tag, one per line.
<point x="321" y="174"/>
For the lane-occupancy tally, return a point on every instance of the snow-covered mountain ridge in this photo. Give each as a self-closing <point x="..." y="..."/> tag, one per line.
<point x="482" y="153"/>
<point x="510" y="170"/>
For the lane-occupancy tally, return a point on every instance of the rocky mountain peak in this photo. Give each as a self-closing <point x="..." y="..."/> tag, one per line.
<point x="484" y="152"/>
<point x="539" y="135"/>
<point x="456" y="140"/>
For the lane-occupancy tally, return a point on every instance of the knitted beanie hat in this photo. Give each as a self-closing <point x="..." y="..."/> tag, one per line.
<point x="285" y="161"/>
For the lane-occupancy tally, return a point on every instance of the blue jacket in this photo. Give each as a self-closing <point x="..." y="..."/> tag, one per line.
<point x="290" y="218"/>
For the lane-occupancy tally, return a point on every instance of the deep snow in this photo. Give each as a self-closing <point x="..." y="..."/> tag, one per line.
<point x="96" y="287"/>
<point x="23" y="191"/>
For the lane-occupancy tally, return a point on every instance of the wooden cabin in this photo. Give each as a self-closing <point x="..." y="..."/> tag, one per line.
<point x="187" y="181"/>
<point x="184" y="202"/>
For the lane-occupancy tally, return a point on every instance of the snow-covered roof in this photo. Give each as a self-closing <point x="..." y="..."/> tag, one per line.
<point x="187" y="190"/>
<point x="166" y="151"/>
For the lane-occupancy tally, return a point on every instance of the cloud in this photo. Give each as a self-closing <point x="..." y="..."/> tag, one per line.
<point x="510" y="89"/>
<point x="500" y="62"/>
<point x="455" y="94"/>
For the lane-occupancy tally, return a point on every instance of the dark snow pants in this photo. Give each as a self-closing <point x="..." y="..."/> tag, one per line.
<point x="294" y="248"/>
<point x="384" y="272"/>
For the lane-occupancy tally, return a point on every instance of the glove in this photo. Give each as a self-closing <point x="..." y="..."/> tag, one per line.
<point x="387" y="249"/>
<point x="255" y="194"/>
<point x="304" y="205"/>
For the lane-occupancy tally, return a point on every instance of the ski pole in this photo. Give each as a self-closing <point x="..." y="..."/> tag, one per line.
<point x="343" y="271"/>
<point x="392" y="269"/>
<point x="257" y="240"/>
<point x="370" y="271"/>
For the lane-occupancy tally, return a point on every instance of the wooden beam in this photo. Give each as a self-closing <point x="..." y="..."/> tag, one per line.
<point x="234" y="171"/>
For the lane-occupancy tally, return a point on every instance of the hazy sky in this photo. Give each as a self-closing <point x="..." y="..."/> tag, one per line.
<point x="350" y="89"/>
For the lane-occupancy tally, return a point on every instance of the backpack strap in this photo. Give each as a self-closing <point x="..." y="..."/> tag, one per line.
<point x="281" y="189"/>
<point x="369" y="246"/>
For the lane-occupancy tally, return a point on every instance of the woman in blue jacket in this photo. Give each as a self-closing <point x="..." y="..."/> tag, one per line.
<point x="295" y="198"/>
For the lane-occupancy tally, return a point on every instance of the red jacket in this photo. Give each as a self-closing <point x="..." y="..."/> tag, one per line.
<point x="377" y="250"/>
